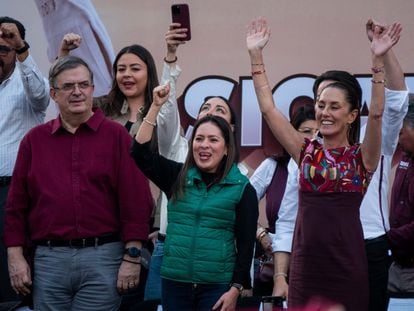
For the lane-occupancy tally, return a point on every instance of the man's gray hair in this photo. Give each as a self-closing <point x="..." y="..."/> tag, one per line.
<point x="65" y="63"/>
<point x="409" y="117"/>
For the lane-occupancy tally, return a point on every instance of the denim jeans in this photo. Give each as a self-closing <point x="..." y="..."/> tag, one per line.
<point x="81" y="279"/>
<point x="153" y="285"/>
<point x="179" y="296"/>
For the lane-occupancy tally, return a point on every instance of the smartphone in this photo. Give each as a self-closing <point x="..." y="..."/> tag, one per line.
<point x="272" y="303"/>
<point x="181" y="14"/>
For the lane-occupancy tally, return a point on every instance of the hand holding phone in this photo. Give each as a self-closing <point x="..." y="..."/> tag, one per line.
<point x="181" y="14"/>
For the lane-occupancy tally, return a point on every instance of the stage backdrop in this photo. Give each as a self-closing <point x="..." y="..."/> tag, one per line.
<point x="308" y="38"/>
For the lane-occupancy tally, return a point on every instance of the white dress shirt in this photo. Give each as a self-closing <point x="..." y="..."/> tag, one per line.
<point x="171" y="144"/>
<point x="24" y="97"/>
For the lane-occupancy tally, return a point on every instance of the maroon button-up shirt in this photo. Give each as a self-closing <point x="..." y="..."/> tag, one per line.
<point x="68" y="186"/>
<point x="401" y="234"/>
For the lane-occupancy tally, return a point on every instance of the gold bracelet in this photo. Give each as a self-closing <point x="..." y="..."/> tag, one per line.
<point x="149" y="122"/>
<point x="261" y="235"/>
<point x="263" y="87"/>
<point x="378" y="81"/>
<point x="260" y="231"/>
<point x="280" y="274"/>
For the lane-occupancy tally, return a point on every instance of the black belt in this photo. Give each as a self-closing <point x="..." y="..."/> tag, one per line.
<point x="161" y="237"/>
<point x="380" y="239"/>
<point x="80" y="243"/>
<point x="5" y="181"/>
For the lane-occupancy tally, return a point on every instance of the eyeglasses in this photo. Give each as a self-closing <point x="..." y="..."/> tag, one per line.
<point x="4" y="50"/>
<point x="70" y="87"/>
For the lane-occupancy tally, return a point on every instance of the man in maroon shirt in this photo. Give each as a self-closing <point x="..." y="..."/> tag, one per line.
<point x="78" y="195"/>
<point x="401" y="233"/>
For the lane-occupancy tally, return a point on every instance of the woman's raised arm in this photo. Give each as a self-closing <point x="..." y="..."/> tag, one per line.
<point x="258" y="34"/>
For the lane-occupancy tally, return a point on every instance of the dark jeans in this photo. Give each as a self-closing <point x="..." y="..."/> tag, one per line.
<point x="179" y="296"/>
<point x="153" y="285"/>
<point x="6" y="292"/>
<point x="378" y="264"/>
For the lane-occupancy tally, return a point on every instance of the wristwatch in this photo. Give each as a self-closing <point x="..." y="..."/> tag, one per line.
<point x="133" y="252"/>
<point x="238" y="286"/>
<point x="23" y="49"/>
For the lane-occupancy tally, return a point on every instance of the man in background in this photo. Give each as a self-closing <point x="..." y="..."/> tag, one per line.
<point x="24" y="97"/>
<point x="401" y="233"/>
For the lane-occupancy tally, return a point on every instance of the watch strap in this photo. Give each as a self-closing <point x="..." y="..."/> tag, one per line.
<point x="238" y="286"/>
<point x="133" y="252"/>
<point x="23" y="49"/>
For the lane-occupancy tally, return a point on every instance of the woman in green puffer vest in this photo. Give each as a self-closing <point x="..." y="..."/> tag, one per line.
<point x="212" y="215"/>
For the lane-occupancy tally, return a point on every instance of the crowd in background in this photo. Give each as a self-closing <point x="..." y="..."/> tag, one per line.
<point x="109" y="207"/>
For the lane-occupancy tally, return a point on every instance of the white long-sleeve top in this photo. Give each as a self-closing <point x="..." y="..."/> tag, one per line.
<point x="171" y="144"/>
<point x="262" y="176"/>
<point x="375" y="220"/>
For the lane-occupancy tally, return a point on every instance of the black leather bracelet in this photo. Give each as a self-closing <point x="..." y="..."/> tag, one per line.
<point x="130" y="261"/>
<point x="170" y="61"/>
<point x="23" y="49"/>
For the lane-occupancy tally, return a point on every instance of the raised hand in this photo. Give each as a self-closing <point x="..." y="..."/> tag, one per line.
<point x="258" y="34"/>
<point x="382" y="41"/>
<point x="69" y="42"/>
<point x="174" y="37"/>
<point x="10" y="34"/>
<point x="370" y="25"/>
<point x="160" y="94"/>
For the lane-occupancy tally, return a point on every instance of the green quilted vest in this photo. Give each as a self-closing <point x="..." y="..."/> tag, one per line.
<point x="200" y="243"/>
